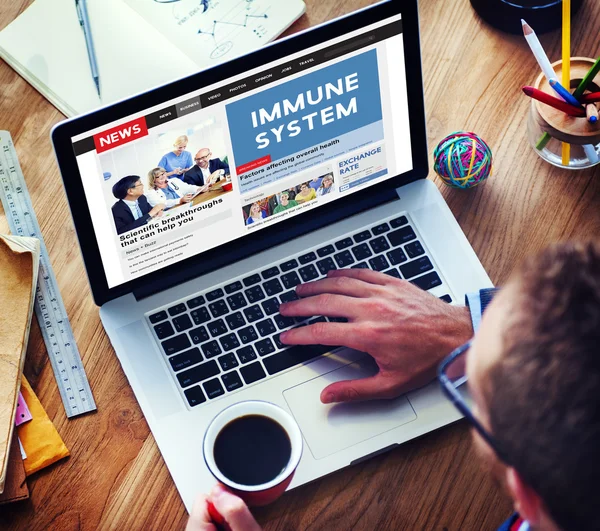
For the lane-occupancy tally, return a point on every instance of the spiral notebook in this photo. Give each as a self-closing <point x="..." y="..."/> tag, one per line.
<point x="139" y="43"/>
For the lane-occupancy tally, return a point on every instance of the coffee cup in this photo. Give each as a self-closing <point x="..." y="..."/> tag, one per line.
<point x="253" y="448"/>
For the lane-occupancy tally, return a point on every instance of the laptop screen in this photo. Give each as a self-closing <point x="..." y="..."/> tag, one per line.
<point x="236" y="157"/>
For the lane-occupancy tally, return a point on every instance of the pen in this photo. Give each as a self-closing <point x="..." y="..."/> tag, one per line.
<point x="554" y="102"/>
<point x="564" y="93"/>
<point x="84" y="20"/>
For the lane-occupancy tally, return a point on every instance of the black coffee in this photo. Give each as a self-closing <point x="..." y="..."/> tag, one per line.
<point x="252" y="450"/>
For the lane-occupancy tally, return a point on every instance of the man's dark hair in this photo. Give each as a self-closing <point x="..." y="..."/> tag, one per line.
<point x="544" y="395"/>
<point x="120" y="188"/>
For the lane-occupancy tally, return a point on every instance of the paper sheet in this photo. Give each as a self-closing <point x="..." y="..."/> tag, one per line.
<point x="213" y="31"/>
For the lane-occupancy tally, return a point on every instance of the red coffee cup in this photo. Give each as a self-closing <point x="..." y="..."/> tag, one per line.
<point x="231" y="429"/>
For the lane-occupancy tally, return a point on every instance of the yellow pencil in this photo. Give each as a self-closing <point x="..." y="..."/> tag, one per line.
<point x="566" y="64"/>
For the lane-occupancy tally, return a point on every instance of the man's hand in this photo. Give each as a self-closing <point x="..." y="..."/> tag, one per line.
<point x="407" y="330"/>
<point x="216" y="176"/>
<point x="232" y="509"/>
<point x="157" y="210"/>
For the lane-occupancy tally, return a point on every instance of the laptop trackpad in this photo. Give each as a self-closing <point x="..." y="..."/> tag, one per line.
<point x="329" y="428"/>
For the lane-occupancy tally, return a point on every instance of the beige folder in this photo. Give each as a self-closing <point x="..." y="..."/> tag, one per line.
<point x="19" y="263"/>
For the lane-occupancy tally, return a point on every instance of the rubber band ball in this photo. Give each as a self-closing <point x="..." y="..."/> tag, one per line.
<point x="463" y="160"/>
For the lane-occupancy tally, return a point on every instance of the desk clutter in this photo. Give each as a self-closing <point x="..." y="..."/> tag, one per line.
<point x="28" y="439"/>
<point x="35" y="445"/>
<point x="563" y="125"/>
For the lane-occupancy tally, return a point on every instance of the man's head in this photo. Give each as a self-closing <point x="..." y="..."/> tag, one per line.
<point x="534" y="374"/>
<point x="202" y="158"/>
<point x="283" y="198"/>
<point x="129" y="187"/>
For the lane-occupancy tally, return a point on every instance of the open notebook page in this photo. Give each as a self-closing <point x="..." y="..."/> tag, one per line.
<point x="46" y="46"/>
<point x="213" y="31"/>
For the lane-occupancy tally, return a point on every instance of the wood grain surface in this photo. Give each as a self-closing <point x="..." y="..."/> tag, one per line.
<point x="115" y="477"/>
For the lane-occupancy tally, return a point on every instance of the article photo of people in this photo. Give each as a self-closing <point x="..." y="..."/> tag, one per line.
<point x="164" y="171"/>
<point x="287" y="199"/>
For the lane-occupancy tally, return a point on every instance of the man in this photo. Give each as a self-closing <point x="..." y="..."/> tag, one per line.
<point x="284" y="203"/>
<point x="132" y="209"/>
<point x="205" y="170"/>
<point x="533" y="373"/>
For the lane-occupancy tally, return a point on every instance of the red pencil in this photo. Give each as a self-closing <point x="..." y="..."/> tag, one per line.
<point x="544" y="97"/>
<point x="591" y="97"/>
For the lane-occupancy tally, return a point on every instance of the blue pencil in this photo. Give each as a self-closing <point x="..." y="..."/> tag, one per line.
<point x="564" y="93"/>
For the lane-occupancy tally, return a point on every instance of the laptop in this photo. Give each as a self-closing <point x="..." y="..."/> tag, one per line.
<point x="316" y="150"/>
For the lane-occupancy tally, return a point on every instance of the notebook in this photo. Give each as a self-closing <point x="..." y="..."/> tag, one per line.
<point x="139" y="44"/>
<point x="19" y="261"/>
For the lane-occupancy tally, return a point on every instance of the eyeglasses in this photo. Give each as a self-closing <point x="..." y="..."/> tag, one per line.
<point x="206" y="157"/>
<point x="453" y="379"/>
<point x="139" y="183"/>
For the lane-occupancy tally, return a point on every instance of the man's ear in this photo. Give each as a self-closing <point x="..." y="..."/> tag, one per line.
<point x="527" y="502"/>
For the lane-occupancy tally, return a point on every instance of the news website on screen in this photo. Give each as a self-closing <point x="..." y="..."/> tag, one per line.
<point x="242" y="155"/>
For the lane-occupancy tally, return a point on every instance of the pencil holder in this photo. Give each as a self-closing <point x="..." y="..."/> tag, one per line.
<point x="548" y="128"/>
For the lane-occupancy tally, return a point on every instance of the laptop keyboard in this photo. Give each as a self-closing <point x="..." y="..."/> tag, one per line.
<point x="227" y="338"/>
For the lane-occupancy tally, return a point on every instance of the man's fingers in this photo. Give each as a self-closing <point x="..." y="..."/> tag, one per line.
<point x="234" y="510"/>
<point x="376" y="387"/>
<point x="356" y="390"/>
<point x="332" y="334"/>
<point x="199" y="518"/>
<point x="325" y="304"/>
<point x="340" y="285"/>
<point x="366" y="275"/>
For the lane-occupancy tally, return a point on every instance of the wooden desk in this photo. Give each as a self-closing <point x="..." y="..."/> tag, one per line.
<point x="116" y="478"/>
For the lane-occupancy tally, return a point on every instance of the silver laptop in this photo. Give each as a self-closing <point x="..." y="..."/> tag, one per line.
<point x="305" y="156"/>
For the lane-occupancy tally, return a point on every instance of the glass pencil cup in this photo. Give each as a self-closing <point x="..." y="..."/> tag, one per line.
<point x="548" y="128"/>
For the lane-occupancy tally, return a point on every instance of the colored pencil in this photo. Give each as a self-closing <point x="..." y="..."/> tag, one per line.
<point x="564" y="93"/>
<point x="591" y="112"/>
<point x="591" y="154"/>
<point x="538" y="51"/>
<point x="591" y="97"/>
<point x="546" y="98"/>
<point x="587" y="79"/>
<point x="566" y="64"/>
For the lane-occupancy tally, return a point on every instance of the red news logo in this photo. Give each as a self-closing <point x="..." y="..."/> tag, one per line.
<point x="117" y="136"/>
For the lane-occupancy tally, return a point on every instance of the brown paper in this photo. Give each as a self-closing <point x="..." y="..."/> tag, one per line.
<point x="19" y="261"/>
<point x="15" y="488"/>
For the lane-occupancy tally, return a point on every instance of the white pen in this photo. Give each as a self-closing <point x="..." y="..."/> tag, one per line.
<point x="84" y="20"/>
<point x="538" y="51"/>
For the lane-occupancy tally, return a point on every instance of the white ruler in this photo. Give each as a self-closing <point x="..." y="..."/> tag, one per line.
<point x="49" y="307"/>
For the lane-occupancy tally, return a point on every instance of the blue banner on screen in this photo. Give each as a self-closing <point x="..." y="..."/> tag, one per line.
<point x="307" y="111"/>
